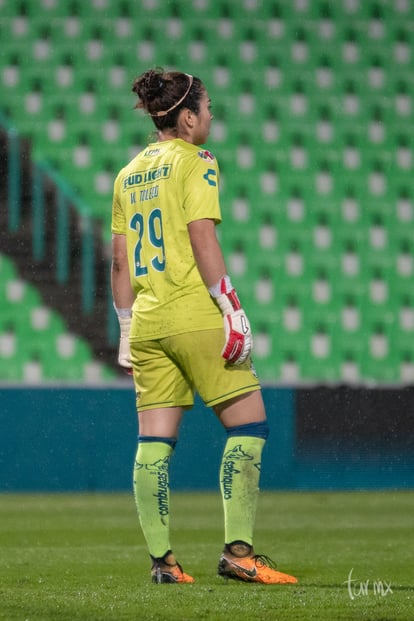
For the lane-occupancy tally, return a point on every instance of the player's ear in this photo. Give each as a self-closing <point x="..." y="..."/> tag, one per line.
<point x="188" y="117"/>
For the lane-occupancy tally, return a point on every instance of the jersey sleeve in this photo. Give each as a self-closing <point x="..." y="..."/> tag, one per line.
<point x="201" y="196"/>
<point x="118" y="215"/>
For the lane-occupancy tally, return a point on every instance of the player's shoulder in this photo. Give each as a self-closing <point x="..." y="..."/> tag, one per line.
<point x="194" y="152"/>
<point x="206" y="155"/>
<point x="129" y="165"/>
<point x="129" y="168"/>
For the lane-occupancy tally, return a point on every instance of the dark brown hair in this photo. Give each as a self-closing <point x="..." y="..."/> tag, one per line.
<point x="160" y="90"/>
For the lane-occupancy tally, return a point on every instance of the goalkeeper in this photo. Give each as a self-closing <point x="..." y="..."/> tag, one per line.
<point x="173" y="296"/>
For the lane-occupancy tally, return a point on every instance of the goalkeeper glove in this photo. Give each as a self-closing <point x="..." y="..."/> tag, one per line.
<point x="239" y="340"/>
<point x="124" y="356"/>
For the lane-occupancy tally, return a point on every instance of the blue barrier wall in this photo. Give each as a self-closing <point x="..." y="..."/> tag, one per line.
<point x="76" y="439"/>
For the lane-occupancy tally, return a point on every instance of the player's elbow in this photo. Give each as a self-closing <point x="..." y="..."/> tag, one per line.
<point x="119" y="254"/>
<point x="116" y="266"/>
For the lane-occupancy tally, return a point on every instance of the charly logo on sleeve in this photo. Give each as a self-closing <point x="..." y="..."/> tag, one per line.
<point x="210" y="177"/>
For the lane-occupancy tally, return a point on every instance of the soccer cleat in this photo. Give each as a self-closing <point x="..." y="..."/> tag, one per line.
<point x="163" y="572"/>
<point x="255" y="568"/>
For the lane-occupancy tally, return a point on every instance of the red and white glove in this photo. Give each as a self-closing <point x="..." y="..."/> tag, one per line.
<point x="124" y="355"/>
<point x="239" y="339"/>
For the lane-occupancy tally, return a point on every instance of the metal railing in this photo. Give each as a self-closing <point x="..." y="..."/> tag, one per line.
<point x="42" y="175"/>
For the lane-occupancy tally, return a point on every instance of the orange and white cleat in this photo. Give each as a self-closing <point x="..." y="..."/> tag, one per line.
<point x="252" y="568"/>
<point x="166" y="570"/>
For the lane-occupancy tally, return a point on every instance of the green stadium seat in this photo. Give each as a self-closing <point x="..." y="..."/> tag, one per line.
<point x="312" y="101"/>
<point x="10" y="368"/>
<point x="35" y="345"/>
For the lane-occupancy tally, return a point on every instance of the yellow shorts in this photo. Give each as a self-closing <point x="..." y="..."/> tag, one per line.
<point x="168" y="372"/>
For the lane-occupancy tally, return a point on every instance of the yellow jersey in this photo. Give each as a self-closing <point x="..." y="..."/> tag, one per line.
<point x="166" y="186"/>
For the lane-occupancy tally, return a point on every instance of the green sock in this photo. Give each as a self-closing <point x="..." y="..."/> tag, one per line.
<point x="239" y="484"/>
<point x="152" y="494"/>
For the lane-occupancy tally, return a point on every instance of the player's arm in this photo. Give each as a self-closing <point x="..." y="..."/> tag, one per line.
<point x="122" y="295"/>
<point x="207" y="251"/>
<point x="210" y="262"/>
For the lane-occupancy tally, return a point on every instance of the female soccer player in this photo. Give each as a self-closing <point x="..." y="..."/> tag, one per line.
<point x="164" y="214"/>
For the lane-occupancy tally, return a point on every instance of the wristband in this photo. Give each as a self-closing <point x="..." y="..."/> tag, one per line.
<point x="123" y="312"/>
<point x="225" y="295"/>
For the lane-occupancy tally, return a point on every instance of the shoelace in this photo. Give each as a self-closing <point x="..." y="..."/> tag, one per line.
<point x="262" y="560"/>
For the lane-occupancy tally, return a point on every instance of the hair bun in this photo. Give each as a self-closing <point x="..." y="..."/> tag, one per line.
<point x="153" y="85"/>
<point x="161" y="92"/>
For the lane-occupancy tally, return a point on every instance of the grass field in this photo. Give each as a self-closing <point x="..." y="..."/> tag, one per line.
<point x="67" y="557"/>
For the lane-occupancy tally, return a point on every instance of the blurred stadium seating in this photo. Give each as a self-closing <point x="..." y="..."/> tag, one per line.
<point x="312" y="103"/>
<point x="35" y="344"/>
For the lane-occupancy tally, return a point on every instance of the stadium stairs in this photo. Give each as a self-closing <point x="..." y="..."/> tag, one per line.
<point x="64" y="297"/>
